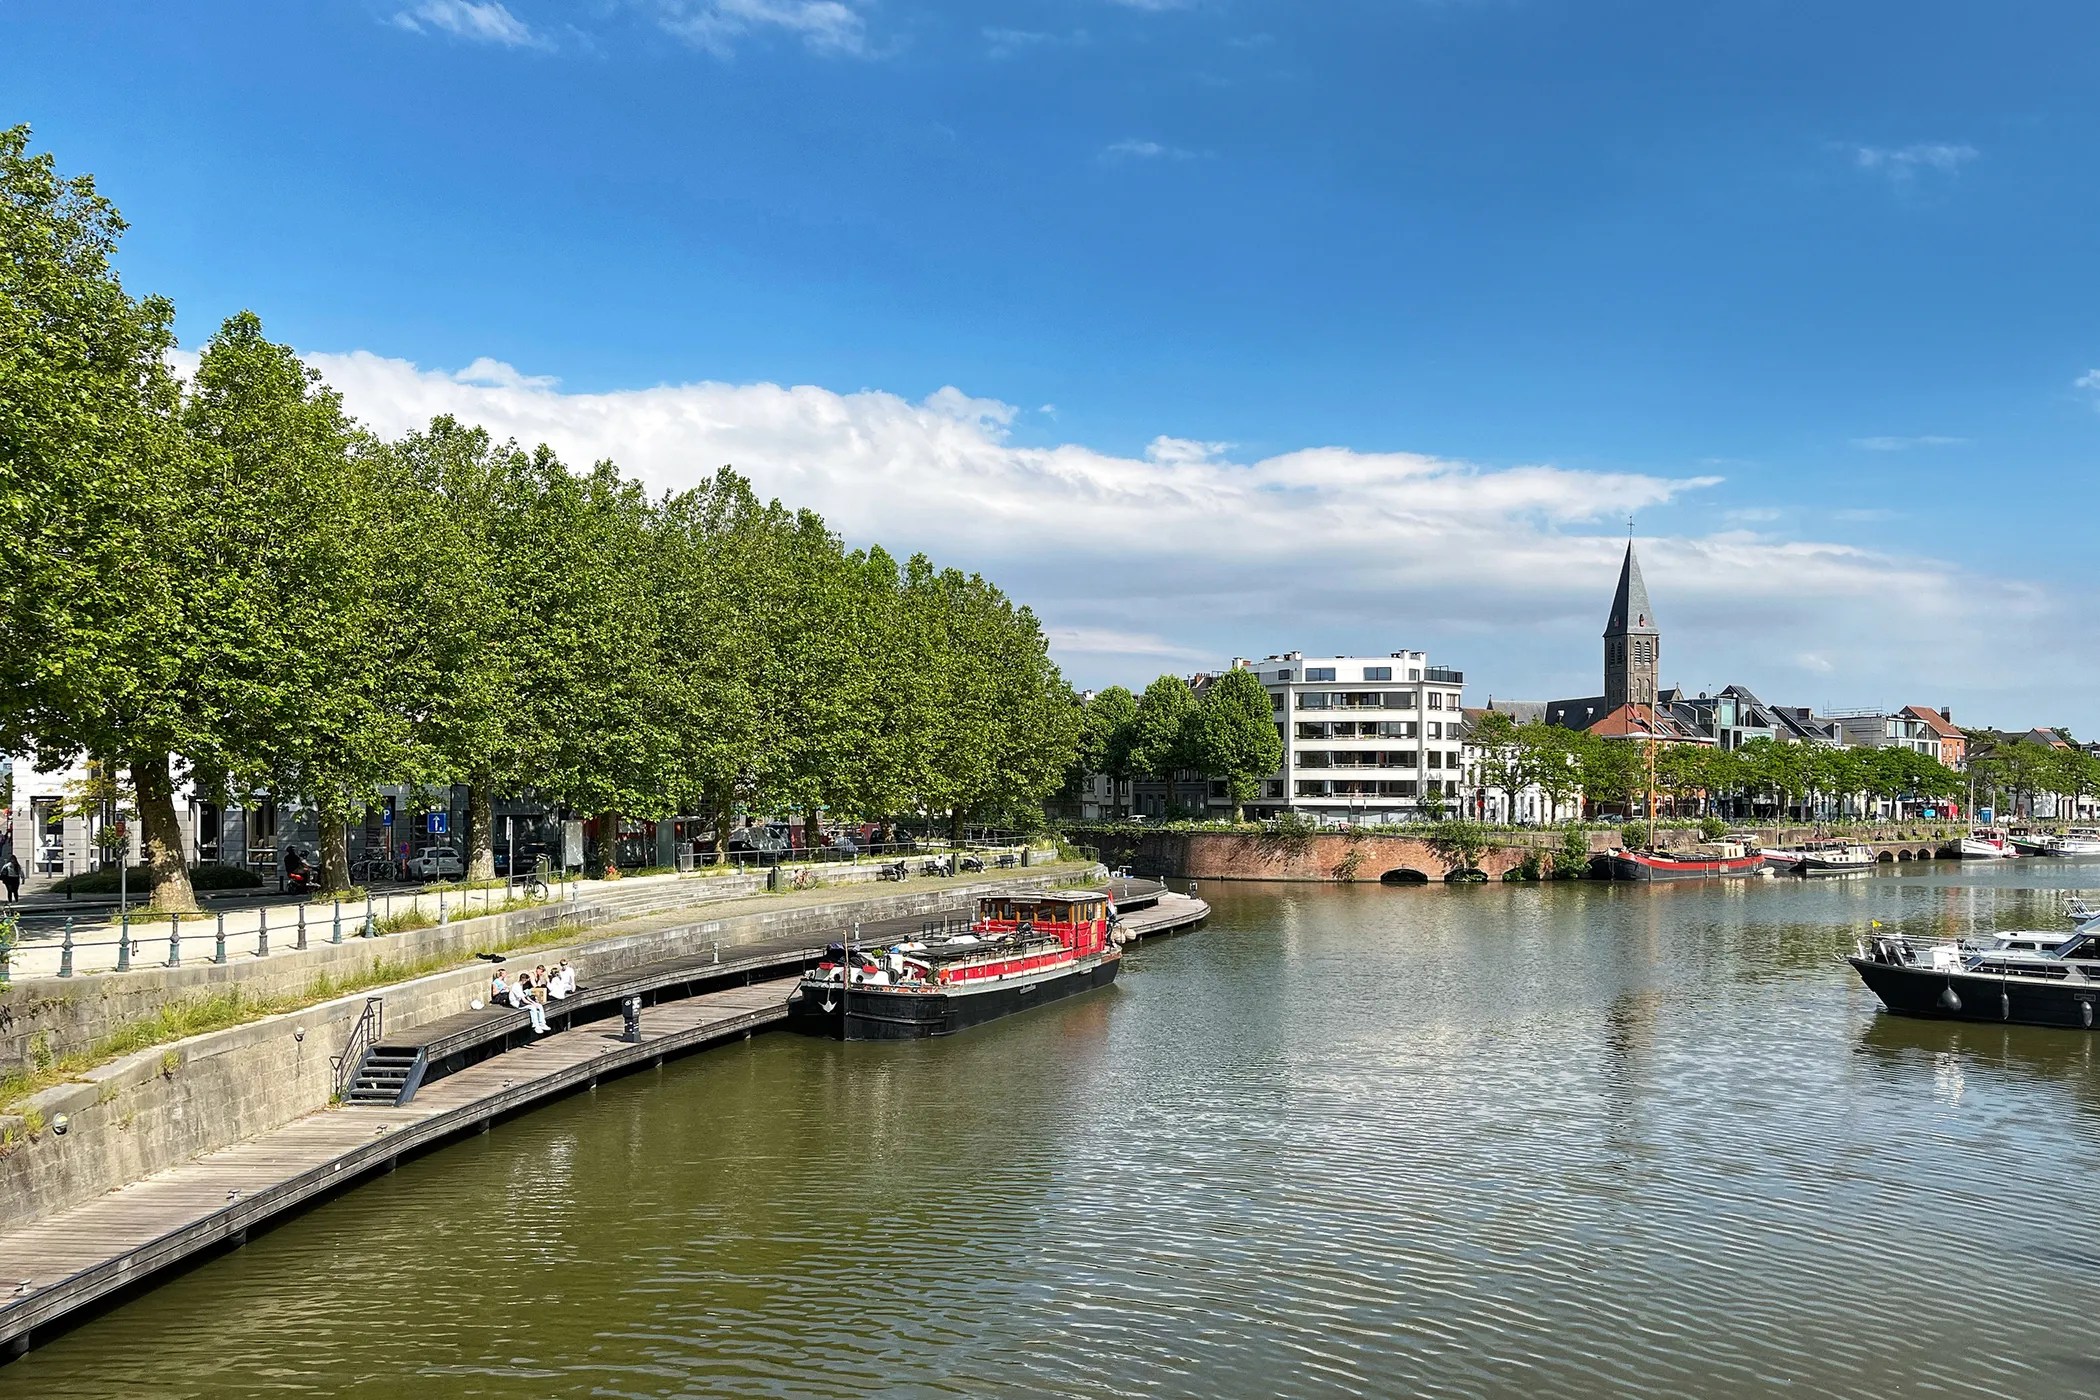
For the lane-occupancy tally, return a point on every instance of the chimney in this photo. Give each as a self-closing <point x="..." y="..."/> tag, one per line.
<point x="1946" y="714"/>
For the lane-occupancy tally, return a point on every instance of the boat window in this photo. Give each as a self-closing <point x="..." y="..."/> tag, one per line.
<point x="2080" y="948"/>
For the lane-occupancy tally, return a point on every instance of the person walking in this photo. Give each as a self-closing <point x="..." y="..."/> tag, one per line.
<point x="11" y="876"/>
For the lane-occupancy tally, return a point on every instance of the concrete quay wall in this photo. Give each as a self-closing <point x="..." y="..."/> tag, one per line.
<point x="162" y="1106"/>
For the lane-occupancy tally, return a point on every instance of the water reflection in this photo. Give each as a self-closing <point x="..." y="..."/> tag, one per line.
<point x="1499" y="1140"/>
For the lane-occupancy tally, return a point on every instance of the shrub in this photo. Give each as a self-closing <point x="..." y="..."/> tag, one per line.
<point x="202" y="877"/>
<point x="1634" y="834"/>
<point x="1712" y="828"/>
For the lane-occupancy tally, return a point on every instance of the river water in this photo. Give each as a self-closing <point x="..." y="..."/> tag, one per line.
<point x="1569" y="1140"/>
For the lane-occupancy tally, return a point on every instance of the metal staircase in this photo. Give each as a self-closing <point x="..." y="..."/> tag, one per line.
<point x="387" y="1076"/>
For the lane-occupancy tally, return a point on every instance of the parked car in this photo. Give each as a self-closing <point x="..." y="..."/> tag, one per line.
<point x="768" y="842"/>
<point x="436" y="863"/>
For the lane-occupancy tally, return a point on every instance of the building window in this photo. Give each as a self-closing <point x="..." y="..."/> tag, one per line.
<point x="1314" y="788"/>
<point x="1319" y="673"/>
<point x="1436" y="700"/>
<point x="1400" y="789"/>
<point x="1400" y="700"/>
<point x="1436" y="758"/>
<point x="1311" y="731"/>
<point x="1283" y="675"/>
<point x="1407" y="758"/>
<point x="1314" y="758"/>
<point x="1312" y="699"/>
<point x="1378" y="673"/>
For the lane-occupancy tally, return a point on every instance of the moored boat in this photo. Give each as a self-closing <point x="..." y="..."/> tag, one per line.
<point x="2050" y="986"/>
<point x="2078" y="841"/>
<point x="1022" y="950"/>
<point x="1719" y="861"/>
<point x="1985" y="844"/>
<point x="1835" y="858"/>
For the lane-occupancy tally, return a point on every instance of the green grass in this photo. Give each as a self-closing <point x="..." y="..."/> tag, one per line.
<point x="178" y="1020"/>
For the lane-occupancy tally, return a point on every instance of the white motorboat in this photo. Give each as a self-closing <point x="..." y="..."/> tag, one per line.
<point x="1985" y="844"/>
<point x="2078" y="841"/>
<point x="1834" y="858"/>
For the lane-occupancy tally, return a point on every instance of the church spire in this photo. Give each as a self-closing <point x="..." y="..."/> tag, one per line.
<point x="1632" y="641"/>
<point x="1630" y="612"/>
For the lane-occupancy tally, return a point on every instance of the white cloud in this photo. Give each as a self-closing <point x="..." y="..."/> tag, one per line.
<point x="1903" y="164"/>
<point x="828" y="26"/>
<point x="484" y="21"/>
<point x="1188" y="555"/>
<point x="1899" y="444"/>
<point x="2090" y="380"/>
<point x="1144" y="150"/>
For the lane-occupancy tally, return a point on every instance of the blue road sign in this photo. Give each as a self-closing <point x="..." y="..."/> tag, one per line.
<point x="386" y="817"/>
<point x="438" y="821"/>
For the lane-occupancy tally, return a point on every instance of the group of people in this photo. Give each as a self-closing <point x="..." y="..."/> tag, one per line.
<point x="531" y="991"/>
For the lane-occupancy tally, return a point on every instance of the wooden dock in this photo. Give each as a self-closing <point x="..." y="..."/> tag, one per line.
<point x="59" y="1266"/>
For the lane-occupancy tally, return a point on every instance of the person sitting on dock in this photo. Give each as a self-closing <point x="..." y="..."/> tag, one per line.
<point x="522" y="1001"/>
<point x="499" y="989"/>
<point x="539" y="984"/>
<point x="563" y="983"/>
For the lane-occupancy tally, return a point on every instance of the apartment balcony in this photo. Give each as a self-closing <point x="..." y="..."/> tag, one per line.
<point x="1443" y="675"/>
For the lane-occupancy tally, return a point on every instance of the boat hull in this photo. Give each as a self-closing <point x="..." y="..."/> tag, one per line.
<point x="1627" y="865"/>
<point x="907" y="1013"/>
<point x="1972" y="849"/>
<point x="1942" y="995"/>
<point x="1818" y="865"/>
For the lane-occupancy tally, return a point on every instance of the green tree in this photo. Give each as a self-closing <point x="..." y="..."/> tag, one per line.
<point x="301" y="631"/>
<point x="1236" y="737"/>
<point x="1106" y="734"/>
<point x="1508" y="762"/>
<point x="1556" y="764"/>
<point x="96" y="607"/>
<point x="1164" y="738"/>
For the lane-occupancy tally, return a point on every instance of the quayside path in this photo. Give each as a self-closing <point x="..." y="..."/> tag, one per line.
<point x="484" y="1066"/>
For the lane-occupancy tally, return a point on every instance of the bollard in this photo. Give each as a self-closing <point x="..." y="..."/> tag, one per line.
<point x="174" y="940"/>
<point x="337" y="936"/>
<point x="220" y="956"/>
<point x="262" y="933"/>
<point x="441" y="908"/>
<point x="65" y="951"/>
<point x="301" y="944"/>
<point x="124" y="944"/>
<point x="371" y="925"/>
<point x="631" y="1020"/>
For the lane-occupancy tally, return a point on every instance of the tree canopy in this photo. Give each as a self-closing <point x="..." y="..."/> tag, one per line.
<point x="228" y="580"/>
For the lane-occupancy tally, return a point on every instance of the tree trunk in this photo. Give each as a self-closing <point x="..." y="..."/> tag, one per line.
<point x="955" y="824"/>
<point x="333" y="817"/>
<point x="609" y="844"/>
<point x="162" y="833"/>
<point x="812" y="833"/>
<point x="722" y="820"/>
<point x="481" y="835"/>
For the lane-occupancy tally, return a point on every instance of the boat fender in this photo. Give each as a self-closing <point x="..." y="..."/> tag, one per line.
<point x="2004" y="1007"/>
<point x="1951" y="999"/>
<point x="2085" y="1013"/>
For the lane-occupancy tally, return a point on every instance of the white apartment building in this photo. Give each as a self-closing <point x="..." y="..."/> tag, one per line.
<point x="1365" y="738"/>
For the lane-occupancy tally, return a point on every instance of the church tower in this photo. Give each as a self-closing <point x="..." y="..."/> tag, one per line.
<point x="1632" y="644"/>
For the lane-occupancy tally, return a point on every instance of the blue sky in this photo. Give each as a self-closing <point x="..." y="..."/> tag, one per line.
<point x="1350" y="325"/>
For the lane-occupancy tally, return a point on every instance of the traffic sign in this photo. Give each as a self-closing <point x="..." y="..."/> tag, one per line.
<point x="438" y="821"/>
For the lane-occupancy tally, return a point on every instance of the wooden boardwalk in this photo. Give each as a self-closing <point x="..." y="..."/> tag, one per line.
<point x="63" y="1263"/>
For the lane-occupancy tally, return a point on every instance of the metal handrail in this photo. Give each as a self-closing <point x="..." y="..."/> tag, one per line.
<point x="371" y="1025"/>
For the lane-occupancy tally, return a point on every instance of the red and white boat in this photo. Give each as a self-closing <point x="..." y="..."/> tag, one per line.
<point x="1022" y="950"/>
<point x="1985" y="844"/>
